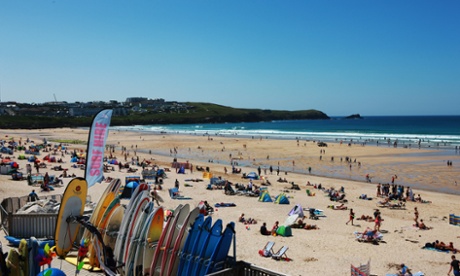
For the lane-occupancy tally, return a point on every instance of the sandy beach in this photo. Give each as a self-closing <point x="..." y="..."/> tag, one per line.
<point x="327" y="251"/>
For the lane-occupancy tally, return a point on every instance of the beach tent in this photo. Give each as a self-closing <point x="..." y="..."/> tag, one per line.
<point x="31" y="158"/>
<point x="181" y="170"/>
<point x="129" y="189"/>
<point x="265" y="197"/>
<point x="74" y="159"/>
<point x="252" y="175"/>
<point x="282" y="199"/>
<point x="297" y="210"/>
<point x="22" y="157"/>
<point x="290" y="220"/>
<point x="284" y="231"/>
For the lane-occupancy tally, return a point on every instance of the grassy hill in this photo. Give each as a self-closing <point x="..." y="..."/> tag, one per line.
<point x="195" y="113"/>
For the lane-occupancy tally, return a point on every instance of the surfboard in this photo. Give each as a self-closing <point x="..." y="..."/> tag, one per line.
<point x="193" y="234"/>
<point x="209" y="247"/>
<point x="113" y="206"/>
<point x="178" y="223"/>
<point x="96" y="210"/>
<point x="110" y="192"/>
<point x="218" y="257"/>
<point x="133" y="245"/>
<point x="24" y="260"/>
<point x="139" y="254"/>
<point x="72" y="204"/>
<point x="197" y="246"/>
<point x="105" y="217"/>
<point x="136" y="192"/>
<point x="159" y="250"/>
<point x="145" y="199"/>
<point x="151" y="238"/>
<point x="113" y="226"/>
<point x="34" y="245"/>
<point x="12" y="262"/>
<point x="178" y="244"/>
<point x="119" y="244"/>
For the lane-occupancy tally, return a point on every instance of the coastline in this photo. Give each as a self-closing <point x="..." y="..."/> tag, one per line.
<point x="311" y="252"/>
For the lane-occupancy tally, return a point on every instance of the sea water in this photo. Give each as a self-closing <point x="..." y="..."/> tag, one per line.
<point x="406" y="131"/>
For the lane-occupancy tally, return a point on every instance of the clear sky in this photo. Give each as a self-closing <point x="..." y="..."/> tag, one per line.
<point x="392" y="57"/>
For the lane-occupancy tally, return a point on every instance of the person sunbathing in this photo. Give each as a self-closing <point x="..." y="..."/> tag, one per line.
<point x="366" y="218"/>
<point x="299" y="224"/>
<point x="451" y="247"/>
<point x="440" y="245"/>
<point x="311" y="227"/>
<point x="421" y="225"/>
<point x="338" y="207"/>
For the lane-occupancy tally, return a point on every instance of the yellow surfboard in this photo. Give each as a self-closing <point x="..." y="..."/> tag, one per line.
<point x="72" y="204"/>
<point x="104" y="202"/>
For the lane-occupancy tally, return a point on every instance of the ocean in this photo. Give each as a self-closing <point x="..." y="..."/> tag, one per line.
<point x="407" y="131"/>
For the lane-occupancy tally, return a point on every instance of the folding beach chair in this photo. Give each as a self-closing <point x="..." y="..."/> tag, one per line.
<point x="281" y="253"/>
<point x="268" y="249"/>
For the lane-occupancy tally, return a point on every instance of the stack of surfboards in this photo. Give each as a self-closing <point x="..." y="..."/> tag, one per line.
<point x="144" y="242"/>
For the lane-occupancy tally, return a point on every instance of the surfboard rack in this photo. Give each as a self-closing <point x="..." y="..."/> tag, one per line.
<point x="84" y="221"/>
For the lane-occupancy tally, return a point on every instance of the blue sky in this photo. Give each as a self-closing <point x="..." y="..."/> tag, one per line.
<point x="340" y="57"/>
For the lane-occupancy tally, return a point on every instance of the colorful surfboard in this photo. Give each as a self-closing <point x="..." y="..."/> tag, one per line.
<point x="133" y="245"/>
<point x="197" y="246"/>
<point x="113" y="226"/>
<point x="159" y="250"/>
<point x="104" y="202"/>
<point x="145" y="199"/>
<point x="218" y="257"/>
<point x="178" y="244"/>
<point x="189" y="242"/>
<point x="139" y="253"/>
<point x="72" y="204"/>
<point x="151" y="238"/>
<point x="209" y="247"/>
<point x="118" y="251"/>
<point x="173" y="235"/>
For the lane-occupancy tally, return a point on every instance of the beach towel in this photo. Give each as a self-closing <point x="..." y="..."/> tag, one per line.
<point x="222" y="204"/>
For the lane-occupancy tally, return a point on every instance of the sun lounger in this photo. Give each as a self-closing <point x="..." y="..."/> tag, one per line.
<point x="174" y="194"/>
<point x="281" y="253"/>
<point x="268" y="249"/>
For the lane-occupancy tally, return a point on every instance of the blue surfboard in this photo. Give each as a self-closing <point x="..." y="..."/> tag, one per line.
<point x="209" y="247"/>
<point x="189" y="242"/>
<point x="218" y="257"/>
<point x="197" y="246"/>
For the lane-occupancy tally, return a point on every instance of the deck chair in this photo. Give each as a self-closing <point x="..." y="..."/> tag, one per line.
<point x="268" y="249"/>
<point x="282" y="252"/>
<point x="174" y="193"/>
<point x="312" y="213"/>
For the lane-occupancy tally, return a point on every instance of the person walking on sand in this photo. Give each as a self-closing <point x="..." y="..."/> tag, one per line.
<point x="352" y="216"/>
<point x="454" y="265"/>
<point x="378" y="223"/>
